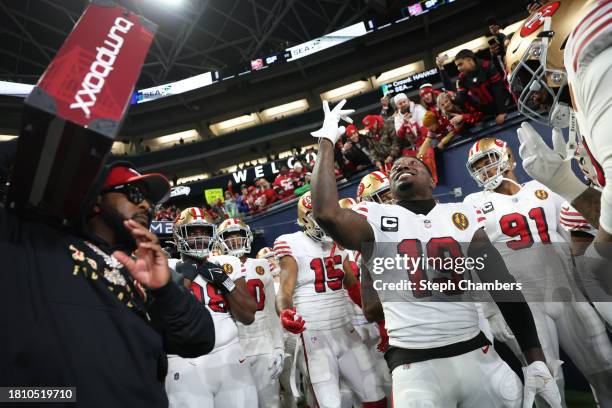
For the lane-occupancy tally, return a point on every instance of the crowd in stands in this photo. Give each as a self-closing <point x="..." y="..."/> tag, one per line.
<point x="422" y="127"/>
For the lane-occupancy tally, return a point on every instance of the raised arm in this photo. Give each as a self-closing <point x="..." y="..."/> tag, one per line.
<point x="346" y="227"/>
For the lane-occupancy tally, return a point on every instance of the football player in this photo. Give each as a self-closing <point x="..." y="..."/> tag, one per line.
<point x="560" y="68"/>
<point x="222" y="378"/>
<point x="262" y="340"/>
<point x="432" y="344"/>
<point x="523" y="220"/>
<point x="582" y="235"/>
<point x="311" y="302"/>
<point x="373" y="335"/>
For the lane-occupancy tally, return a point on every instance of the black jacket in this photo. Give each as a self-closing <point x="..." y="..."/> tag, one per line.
<point x="68" y="318"/>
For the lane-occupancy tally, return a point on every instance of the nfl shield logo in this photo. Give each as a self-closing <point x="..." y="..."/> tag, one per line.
<point x="427" y="224"/>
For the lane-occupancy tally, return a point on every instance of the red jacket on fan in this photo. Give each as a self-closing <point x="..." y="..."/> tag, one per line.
<point x="284" y="184"/>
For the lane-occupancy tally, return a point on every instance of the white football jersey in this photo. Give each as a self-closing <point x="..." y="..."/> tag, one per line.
<point x="419" y="317"/>
<point x="523" y="227"/>
<point x="264" y="334"/>
<point x="319" y="295"/>
<point x="588" y="61"/>
<point x="571" y="220"/>
<point x="226" y="332"/>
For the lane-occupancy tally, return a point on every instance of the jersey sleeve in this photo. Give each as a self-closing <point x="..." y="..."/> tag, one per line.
<point x="282" y="247"/>
<point x="373" y="214"/>
<point x="591" y="36"/>
<point x="572" y="221"/>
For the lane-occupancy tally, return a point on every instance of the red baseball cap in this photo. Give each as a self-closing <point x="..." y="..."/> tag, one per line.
<point x="158" y="186"/>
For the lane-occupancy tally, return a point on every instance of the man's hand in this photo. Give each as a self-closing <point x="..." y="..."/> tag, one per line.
<point x="540" y="383"/>
<point x="275" y="363"/>
<point x="151" y="265"/>
<point x="499" y="328"/>
<point x="290" y="323"/>
<point x="330" y="129"/>
<point x="549" y="166"/>
<point x="213" y="274"/>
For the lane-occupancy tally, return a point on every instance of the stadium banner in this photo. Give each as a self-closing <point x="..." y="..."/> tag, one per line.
<point x="410" y="83"/>
<point x="245" y="176"/>
<point x="329" y="40"/>
<point x="173" y="88"/>
<point x="161" y="228"/>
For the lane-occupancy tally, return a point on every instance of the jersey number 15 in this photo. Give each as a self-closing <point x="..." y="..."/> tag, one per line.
<point x="328" y="273"/>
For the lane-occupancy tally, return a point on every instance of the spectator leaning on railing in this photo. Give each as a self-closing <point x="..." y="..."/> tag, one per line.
<point x="440" y="132"/>
<point x="480" y="80"/>
<point x="461" y="117"/>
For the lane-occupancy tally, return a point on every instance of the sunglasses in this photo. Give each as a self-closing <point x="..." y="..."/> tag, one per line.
<point x="133" y="193"/>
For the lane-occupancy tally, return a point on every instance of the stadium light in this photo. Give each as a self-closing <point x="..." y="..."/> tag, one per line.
<point x="475" y="45"/>
<point x="195" y="177"/>
<point x="173" y="3"/>
<point x="163" y="141"/>
<point x="398" y="73"/>
<point x="6" y="138"/>
<point x="286" y="109"/>
<point x="346" y="91"/>
<point x="233" y="124"/>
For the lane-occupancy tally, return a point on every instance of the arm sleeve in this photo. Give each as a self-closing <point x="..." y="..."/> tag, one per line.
<point x="186" y="326"/>
<point x="512" y="304"/>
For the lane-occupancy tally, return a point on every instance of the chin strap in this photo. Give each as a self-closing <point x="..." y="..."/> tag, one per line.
<point x="572" y="143"/>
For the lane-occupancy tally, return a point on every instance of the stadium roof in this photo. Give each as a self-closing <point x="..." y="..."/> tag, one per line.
<point x="194" y="36"/>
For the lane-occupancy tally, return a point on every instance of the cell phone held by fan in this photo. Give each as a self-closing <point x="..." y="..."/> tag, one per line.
<point x="75" y="111"/>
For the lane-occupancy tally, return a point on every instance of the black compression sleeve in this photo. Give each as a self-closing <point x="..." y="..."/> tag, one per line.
<point x="511" y="303"/>
<point x="185" y="324"/>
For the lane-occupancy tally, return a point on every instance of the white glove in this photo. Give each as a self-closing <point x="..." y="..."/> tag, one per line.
<point x="549" y="166"/>
<point x="330" y="129"/>
<point x="275" y="363"/>
<point x="541" y="383"/>
<point x="499" y="328"/>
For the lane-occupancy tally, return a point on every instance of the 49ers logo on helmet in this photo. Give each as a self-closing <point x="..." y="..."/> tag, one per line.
<point x="537" y="20"/>
<point x="360" y="189"/>
<point x="307" y="201"/>
<point x="500" y="143"/>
